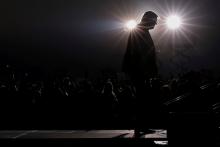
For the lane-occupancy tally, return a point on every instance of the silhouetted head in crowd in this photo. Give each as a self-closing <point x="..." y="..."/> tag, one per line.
<point x="108" y="87"/>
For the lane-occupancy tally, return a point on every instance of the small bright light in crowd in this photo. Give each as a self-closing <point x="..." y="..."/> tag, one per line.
<point x="173" y="22"/>
<point x="161" y="142"/>
<point x="131" y="24"/>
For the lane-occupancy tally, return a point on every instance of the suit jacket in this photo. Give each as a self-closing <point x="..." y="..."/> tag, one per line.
<point x="140" y="56"/>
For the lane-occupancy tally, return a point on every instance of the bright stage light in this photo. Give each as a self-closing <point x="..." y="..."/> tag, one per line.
<point x="173" y="22"/>
<point x="131" y="24"/>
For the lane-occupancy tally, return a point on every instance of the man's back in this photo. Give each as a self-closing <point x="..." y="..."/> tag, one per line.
<point x="140" y="58"/>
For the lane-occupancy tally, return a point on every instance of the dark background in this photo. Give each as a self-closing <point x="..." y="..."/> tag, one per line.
<point x="83" y="35"/>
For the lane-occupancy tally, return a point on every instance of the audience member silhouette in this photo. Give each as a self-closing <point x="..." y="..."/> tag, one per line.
<point x="109" y="100"/>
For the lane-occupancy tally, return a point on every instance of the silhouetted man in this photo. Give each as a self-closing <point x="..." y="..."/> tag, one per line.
<point x="140" y="65"/>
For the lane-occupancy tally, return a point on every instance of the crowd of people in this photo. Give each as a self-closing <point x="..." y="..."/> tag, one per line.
<point x="65" y="99"/>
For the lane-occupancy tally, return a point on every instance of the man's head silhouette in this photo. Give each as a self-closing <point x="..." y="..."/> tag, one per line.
<point x="149" y="19"/>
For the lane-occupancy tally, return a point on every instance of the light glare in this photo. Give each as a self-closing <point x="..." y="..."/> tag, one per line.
<point x="173" y="22"/>
<point x="131" y="24"/>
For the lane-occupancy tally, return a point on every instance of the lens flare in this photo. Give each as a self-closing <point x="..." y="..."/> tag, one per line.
<point x="173" y="22"/>
<point x="131" y="24"/>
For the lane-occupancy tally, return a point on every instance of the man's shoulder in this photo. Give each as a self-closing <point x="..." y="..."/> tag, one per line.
<point x="135" y="34"/>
